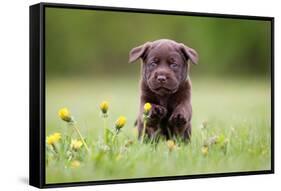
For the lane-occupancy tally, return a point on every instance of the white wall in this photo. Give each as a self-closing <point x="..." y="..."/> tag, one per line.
<point x="14" y="51"/>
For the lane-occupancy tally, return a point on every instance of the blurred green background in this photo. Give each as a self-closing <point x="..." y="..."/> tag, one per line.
<point x="87" y="62"/>
<point x="94" y="43"/>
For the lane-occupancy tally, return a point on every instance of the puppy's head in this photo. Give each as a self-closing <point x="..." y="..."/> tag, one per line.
<point x="165" y="64"/>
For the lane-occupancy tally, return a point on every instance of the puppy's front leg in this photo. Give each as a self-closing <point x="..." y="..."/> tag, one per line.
<point x="155" y="115"/>
<point x="180" y="121"/>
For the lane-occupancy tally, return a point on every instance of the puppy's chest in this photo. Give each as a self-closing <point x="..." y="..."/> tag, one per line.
<point x="164" y="102"/>
<point x="168" y="103"/>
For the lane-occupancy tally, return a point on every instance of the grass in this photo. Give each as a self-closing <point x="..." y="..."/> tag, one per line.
<point x="236" y="110"/>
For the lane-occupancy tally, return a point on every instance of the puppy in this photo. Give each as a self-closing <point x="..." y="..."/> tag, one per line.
<point x="165" y="84"/>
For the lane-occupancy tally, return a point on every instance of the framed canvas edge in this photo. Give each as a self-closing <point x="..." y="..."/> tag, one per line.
<point x="37" y="89"/>
<point x="36" y="99"/>
<point x="158" y="179"/>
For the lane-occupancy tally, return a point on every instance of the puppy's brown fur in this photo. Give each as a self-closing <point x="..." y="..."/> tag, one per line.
<point x="166" y="85"/>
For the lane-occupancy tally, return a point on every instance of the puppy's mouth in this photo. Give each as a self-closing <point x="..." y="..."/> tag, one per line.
<point x="163" y="90"/>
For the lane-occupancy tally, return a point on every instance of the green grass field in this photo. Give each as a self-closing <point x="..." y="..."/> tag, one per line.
<point x="236" y="110"/>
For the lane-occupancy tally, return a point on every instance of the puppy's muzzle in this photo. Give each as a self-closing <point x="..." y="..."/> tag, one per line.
<point x="162" y="79"/>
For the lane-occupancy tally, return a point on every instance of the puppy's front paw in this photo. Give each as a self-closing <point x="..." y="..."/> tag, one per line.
<point x="177" y="120"/>
<point x="158" y="112"/>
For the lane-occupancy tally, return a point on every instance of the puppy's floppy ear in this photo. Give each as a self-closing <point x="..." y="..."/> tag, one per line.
<point x="189" y="53"/>
<point x="138" y="52"/>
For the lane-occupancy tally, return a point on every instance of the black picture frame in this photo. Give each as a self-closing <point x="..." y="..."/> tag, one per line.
<point x="37" y="95"/>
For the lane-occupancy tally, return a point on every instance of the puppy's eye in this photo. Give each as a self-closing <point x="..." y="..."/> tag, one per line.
<point x="152" y="64"/>
<point x="174" y="65"/>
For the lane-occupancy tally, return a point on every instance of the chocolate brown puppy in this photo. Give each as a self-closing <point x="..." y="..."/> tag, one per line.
<point x="166" y="85"/>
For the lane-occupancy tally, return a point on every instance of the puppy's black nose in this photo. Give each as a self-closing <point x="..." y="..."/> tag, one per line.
<point x="161" y="78"/>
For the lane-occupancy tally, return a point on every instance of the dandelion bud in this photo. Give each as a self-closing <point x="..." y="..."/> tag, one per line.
<point x="205" y="150"/>
<point x="204" y="124"/>
<point x="146" y="108"/>
<point x="121" y="121"/>
<point x="52" y="139"/>
<point x="65" y="115"/>
<point x="128" y="143"/>
<point x="104" y="107"/>
<point x="171" y="145"/>
<point x="75" y="164"/>
<point x="76" y="144"/>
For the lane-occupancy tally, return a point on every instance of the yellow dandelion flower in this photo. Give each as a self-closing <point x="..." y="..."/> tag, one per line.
<point x="75" y="164"/>
<point x="51" y="139"/>
<point x="104" y="107"/>
<point x="65" y="115"/>
<point x="120" y="122"/>
<point x="205" y="150"/>
<point x="171" y="145"/>
<point x="146" y="108"/>
<point x="76" y="144"/>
